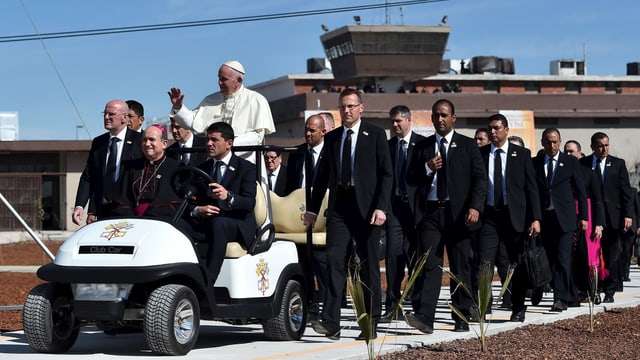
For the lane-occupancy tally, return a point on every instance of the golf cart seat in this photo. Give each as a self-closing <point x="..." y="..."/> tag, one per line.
<point x="287" y="217"/>
<point x="264" y="232"/>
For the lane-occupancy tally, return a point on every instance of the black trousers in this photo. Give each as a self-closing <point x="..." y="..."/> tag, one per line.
<point x="611" y="246"/>
<point x="496" y="229"/>
<point x="558" y="245"/>
<point x="401" y="248"/>
<point x="436" y="230"/>
<point x="344" y="225"/>
<point x="627" y="240"/>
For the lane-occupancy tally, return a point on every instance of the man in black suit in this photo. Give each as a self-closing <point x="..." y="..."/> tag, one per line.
<point x="400" y="227"/>
<point x="560" y="186"/>
<point x="512" y="212"/>
<point x="145" y="187"/>
<point x="226" y="215"/>
<point x="102" y="170"/>
<point x="356" y="167"/>
<point x="297" y="173"/>
<point x="452" y="185"/>
<point x="276" y="172"/>
<point x="300" y="174"/>
<point x="610" y="175"/>
<point x="185" y="139"/>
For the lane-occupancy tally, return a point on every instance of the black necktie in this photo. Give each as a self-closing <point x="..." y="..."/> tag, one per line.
<point x="269" y="181"/>
<point x="217" y="172"/>
<point x="345" y="168"/>
<point x="549" y="179"/>
<point x="111" y="159"/>
<point x="599" y="172"/>
<point x="310" y="167"/>
<point x="498" y="197"/>
<point x="401" y="170"/>
<point x="549" y="171"/>
<point x="442" y="172"/>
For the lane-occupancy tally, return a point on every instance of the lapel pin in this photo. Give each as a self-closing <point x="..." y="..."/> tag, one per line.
<point x="365" y="133"/>
<point x="232" y="168"/>
<point x="158" y="176"/>
<point x="129" y="142"/>
<point x="453" y="144"/>
<point x="561" y="164"/>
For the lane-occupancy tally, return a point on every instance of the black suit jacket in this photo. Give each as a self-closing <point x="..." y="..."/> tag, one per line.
<point x="240" y="178"/>
<point x="466" y="178"/>
<point x="567" y="187"/>
<point x="522" y="197"/>
<point x="281" y="181"/>
<point x="92" y="186"/>
<point x="196" y="158"/>
<point x="163" y="201"/>
<point x="393" y="149"/>
<point x="372" y="171"/>
<point x="615" y="193"/>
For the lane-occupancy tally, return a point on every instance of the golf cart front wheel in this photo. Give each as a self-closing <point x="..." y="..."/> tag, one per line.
<point x="48" y="320"/>
<point x="172" y="320"/>
<point x="290" y="322"/>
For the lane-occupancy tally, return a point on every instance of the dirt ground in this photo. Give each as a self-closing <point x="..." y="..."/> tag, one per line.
<point x="616" y="334"/>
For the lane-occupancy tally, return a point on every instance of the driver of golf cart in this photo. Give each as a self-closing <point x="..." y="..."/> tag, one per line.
<point x="226" y="214"/>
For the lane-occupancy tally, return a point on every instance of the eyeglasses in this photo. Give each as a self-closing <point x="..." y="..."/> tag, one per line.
<point x="348" y="107"/>
<point x="112" y="114"/>
<point x="270" y="158"/>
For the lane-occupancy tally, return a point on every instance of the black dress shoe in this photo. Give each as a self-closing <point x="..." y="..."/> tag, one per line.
<point x="419" y="322"/>
<point x="461" y="326"/>
<point x="536" y="296"/>
<point x="559" y="306"/>
<point x="518" y="316"/>
<point x="321" y="329"/>
<point x="608" y="299"/>
<point x="388" y="316"/>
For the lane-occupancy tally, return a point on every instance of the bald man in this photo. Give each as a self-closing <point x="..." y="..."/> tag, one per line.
<point x="102" y="170"/>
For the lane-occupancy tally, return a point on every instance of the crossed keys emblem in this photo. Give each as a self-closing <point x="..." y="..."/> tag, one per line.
<point x="116" y="230"/>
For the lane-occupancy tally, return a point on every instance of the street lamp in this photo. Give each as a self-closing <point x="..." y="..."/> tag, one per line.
<point x="78" y="127"/>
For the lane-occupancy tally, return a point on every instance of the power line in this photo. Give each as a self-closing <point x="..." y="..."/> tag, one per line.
<point x="55" y="68"/>
<point x="187" y="24"/>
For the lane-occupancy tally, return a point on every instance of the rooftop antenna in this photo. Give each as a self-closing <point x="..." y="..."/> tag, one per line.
<point x="387" y="17"/>
<point x="401" y="15"/>
<point x="584" y="57"/>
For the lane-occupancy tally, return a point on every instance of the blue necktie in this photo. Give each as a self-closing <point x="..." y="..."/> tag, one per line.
<point x="112" y="158"/>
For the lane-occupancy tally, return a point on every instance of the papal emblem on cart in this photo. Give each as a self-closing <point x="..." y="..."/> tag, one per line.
<point x="262" y="270"/>
<point x="116" y="230"/>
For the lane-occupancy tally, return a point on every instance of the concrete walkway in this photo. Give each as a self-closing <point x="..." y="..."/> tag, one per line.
<point x="222" y="341"/>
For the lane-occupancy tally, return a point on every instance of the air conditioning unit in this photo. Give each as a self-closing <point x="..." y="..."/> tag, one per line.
<point x="567" y="67"/>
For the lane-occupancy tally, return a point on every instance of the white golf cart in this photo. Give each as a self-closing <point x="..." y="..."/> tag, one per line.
<point x="145" y="274"/>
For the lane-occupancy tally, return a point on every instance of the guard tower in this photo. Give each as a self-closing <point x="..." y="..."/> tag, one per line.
<point x="374" y="51"/>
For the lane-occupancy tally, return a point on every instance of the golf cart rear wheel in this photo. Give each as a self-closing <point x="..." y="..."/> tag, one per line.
<point x="48" y="320"/>
<point x="292" y="318"/>
<point x="172" y="320"/>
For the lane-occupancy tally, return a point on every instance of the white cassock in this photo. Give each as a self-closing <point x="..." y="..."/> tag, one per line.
<point x="247" y="112"/>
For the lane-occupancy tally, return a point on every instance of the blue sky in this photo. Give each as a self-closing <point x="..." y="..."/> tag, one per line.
<point x="144" y="65"/>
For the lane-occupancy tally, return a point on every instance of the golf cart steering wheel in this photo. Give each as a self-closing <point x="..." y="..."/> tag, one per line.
<point x="189" y="182"/>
